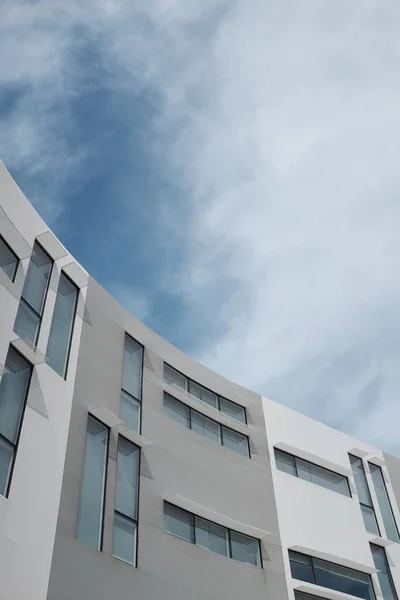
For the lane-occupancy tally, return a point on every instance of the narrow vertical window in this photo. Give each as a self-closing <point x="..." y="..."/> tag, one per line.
<point x="30" y="310"/>
<point x="384" y="574"/>
<point x="364" y="496"/>
<point x="384" y="503"/>
<point x="14" y="386"/>
<point x="62" y="326"/>
<point x="8" y="260"/>
<point x="131" y="392"/>
<point x="90" y="520"/>
<point x="126" y="501"/>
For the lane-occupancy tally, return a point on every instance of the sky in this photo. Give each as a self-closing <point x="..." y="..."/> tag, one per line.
<point x="229" y="170"/>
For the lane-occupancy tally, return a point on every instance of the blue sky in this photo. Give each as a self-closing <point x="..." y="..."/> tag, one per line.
<point x="230" y="172"/>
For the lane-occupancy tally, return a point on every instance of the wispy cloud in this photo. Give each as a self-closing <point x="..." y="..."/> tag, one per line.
<point x="278" y="124"/>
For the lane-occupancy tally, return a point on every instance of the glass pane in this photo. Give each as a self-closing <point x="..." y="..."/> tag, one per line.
<point x="206" y="427"/>
<point x="172" y="376"/>
<point x="203" y="394"/>
<point x="322" y="477"/>
<point x="37" y="278"/>
<point x="342" y="579"/>
<point x="235" y="441"/>
<point x="124" y="539"/>
<point x="232" y="410"/>
<point x="245" y="549"/>
<point x="302" y="596"/>
<point x="62" y="325"/>
<point x="13" y="389"/>
<point x="384" y="575"/>
<point x="285" y="462"/>
<point x="93" y="480"/>
<point x="126" y="492"/>
<point x="129" y="411"/>
<point x="6" y="458"/>
<point x="178" y="521"/>
<point x="26" y="322"/>
<point x="132" y="369"/>
<point x="8" y="260"/>
<point x="176" y="410"/>
<point x="211" y="536"/>
<point x="301" y="567"/>
<point x="384" y="503"/>
<point x="360" y="480"/>
<point x="369" y="517"/>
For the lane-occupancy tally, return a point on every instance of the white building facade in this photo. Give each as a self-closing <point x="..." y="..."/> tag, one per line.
<point x="129" y="471"/>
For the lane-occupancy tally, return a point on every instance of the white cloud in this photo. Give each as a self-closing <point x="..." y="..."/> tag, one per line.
<point x="281" y="122"/>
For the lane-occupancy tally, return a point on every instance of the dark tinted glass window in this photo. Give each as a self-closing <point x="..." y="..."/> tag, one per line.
<point x="8" y="260"/>
<point x="384" y="574"/>
<point x="384" y="503"/>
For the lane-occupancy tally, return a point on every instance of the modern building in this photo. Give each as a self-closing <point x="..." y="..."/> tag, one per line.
<point x="130" y="471"/>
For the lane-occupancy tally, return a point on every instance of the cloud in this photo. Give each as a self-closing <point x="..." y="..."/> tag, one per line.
<point x="278" y="124"/>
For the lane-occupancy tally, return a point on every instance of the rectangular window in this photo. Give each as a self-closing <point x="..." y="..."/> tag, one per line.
<point x="131" y="393"/>
<point x="126" y="501"/>
<point x="364" y="496"/>
<point x="183" y="414"/>
<point x="30" y="310"/>
<point x="389" y="522"/>
<point x="90" y="520"/>
<point x="8" y="260"/>
<point x="223" y="405"/>
<point x="14" y="385"/>
<point x="331" y="575"/>
<point x="384" y="574"/>
<point x="212" y="536"/>
<point x="310" y="472"/>
<point x="62" y="325"/>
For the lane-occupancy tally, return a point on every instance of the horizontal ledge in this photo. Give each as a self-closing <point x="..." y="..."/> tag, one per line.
<point x="313" y="458"/>
<point x="322" y="592"/>
<point x="375" y="539"/>
<point x="216" y="517"/>
<point x="337" y="560"/>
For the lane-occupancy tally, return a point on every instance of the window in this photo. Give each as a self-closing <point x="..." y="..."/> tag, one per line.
<point x="311" y="472"/>
<point x="62" y="325"/>
<point x="90" y="520"/>
<point x="364" y="496"/>
<point x="214" y="537"/>
<point x="14" y="386"/>
<point x="303" y="596"/>
<point x="183" y="414"/>
<point x="126" y="501"/>
<point x="384" y="503"/>
<point x="225" y="406"/>
<point x="330" y="575"/>
<point x="8" y="260"/>
<point x="384" y="574"/>
<point x="131" y="393"/>
<point x="30" y="310"/>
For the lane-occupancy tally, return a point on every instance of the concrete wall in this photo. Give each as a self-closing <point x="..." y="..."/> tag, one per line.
<point x="28" y="517"/>
<point x="177" y="461"/>
<point x="316" y="520"/>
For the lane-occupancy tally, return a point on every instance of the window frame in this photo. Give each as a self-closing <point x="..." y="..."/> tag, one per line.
<point x="2" y="239"/>
<point x="100" y="545"/>
<point x="385" y="489"/>
<point x="44" y="302"/>
<point x="228" y="531"/>
<point x="329" y="562"/>
<point x="140" y="400"/>
<point x="362" y="504"/>
<point x="294" y="460"/>
<point x="78" y="289"/>
<point x="21" y="421"/>
<point x="218" y="408"/>
<point x="388" y="569"/>
<point x="128" y="518"/>
<point x="220" y="426"/>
